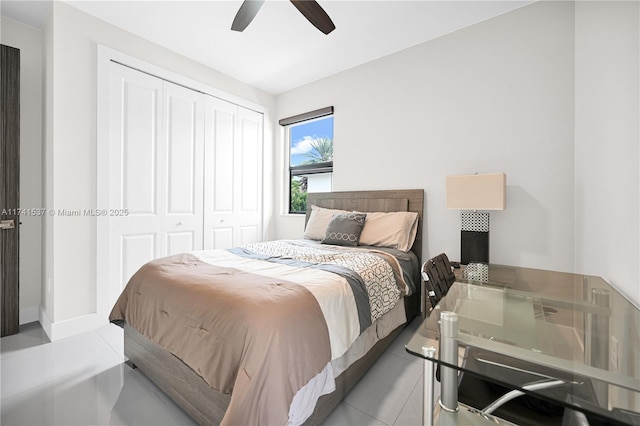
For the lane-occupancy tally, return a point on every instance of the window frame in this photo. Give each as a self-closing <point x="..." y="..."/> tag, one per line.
<point x="307" y="169"/>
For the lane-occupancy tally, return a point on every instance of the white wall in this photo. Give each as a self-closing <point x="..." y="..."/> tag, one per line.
<point x="494" y="97"/>
<point x="546" y="94"/>
<point x="29" y="41"/>
<point x="48" y="308"/>
<point x="607" y="143"/>
<point x="71" y="242"/>
<point x="607" y="159"/>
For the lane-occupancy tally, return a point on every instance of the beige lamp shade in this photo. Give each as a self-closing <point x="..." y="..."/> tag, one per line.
<point x="477" y="192"/>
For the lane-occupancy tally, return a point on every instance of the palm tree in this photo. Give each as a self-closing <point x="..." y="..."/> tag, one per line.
<point x="322" y="151"/>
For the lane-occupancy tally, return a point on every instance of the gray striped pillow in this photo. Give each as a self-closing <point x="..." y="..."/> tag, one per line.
<point x="344" y="229"/>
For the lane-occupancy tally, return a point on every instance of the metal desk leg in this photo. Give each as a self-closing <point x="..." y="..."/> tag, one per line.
<point x="599" y="341"/>
<point x="427" y="383"/>
<point x="449" y="354"/>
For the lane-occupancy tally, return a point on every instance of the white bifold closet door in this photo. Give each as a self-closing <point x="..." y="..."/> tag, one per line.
<point x="156" y="170"/>
<point x="233" y="175"/>
<point x="185" y="166"/>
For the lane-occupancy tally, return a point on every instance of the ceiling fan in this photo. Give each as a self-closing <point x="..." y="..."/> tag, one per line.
<point x="309" y="8"/>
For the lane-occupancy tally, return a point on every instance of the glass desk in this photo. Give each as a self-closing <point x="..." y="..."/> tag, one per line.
<point x="569" y="339"/>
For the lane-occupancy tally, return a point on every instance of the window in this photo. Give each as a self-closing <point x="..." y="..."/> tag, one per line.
<point x="310" y="150"/>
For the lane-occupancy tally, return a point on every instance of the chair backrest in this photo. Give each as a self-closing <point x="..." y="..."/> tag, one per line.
<point x="438" y="277"/>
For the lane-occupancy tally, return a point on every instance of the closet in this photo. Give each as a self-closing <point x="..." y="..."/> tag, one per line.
<point x="185" y="172"/>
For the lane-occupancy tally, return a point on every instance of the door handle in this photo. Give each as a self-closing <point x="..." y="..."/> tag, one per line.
<point x="7" y="224"/>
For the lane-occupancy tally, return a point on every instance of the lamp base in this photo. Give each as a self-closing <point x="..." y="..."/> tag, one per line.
<point x="474" y="247"/>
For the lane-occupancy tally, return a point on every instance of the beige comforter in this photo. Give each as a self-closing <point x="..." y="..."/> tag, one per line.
<point x="262" y="320"/>
<point x="254" y="345"/>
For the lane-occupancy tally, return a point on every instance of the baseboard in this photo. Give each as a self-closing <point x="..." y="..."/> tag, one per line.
<point x="29" y="314"/>
<point x="45" y="322"/>
<point x="67" y="328"/>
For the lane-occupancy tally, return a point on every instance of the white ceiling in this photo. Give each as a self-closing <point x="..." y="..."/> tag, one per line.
<point x="280" y="49"/>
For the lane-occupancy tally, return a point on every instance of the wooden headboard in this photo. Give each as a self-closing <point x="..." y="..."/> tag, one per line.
<point x="405" y="200"/>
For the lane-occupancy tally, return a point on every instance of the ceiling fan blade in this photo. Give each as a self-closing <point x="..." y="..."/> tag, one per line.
<point x="315" y="14"/>
<point x="246" y="13"/>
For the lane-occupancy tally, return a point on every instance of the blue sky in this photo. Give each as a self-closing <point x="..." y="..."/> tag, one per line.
<point x="303" y="134"/>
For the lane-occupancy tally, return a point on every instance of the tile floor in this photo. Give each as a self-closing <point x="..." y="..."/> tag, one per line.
<point x="82" y="380"/>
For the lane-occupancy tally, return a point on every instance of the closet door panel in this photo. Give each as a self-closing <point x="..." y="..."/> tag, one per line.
<point x="220" y="174"/>
<point x="181" y="242"/>
<point x="251" y="160"/>
<point x="221" y="237"/>
<point x="249" y="234"/>
<point x="136" y="157"/>
<point x="248" y="165"/>
<point x="222" y="161"/>
<point x="184" y="130"/>
<point x="135" y="250"/>
<point x="139" y="148"/>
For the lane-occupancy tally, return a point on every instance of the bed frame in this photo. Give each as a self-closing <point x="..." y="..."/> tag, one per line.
<point x="206" y="405"/>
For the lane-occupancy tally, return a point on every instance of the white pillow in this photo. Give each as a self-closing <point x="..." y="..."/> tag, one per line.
<point x="392" y="229"/>
<point x="318" y="222"/>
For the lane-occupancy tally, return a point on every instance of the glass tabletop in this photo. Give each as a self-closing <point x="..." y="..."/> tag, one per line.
<point x="521" y="325"/>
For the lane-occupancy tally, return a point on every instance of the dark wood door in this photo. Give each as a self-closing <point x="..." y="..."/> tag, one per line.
<point x="9" y="187"/>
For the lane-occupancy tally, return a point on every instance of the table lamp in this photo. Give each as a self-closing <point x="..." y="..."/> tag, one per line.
<point x="471" y="193"/>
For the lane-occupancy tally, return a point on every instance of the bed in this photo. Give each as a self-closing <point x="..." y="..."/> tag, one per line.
<point x="190" y="376"/>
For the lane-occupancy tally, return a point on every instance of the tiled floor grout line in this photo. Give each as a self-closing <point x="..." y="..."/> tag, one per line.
<point x="344" y="401"/>
<point x="418" y="383"/>
<point x="118" y="354"/>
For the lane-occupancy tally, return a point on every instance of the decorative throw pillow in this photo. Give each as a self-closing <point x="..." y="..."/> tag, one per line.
<point x="318" y="221"/>
<point x="344" y="229"/>
<point x="393" y="229"/>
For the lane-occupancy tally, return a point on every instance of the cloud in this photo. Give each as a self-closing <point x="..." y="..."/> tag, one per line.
<point x="302" y="146"/>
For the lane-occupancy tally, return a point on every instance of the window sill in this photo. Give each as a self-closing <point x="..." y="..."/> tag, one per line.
<point x="302" y="215"/>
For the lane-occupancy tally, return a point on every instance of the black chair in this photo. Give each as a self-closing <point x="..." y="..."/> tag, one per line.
<point x="438" y="276"/>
